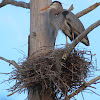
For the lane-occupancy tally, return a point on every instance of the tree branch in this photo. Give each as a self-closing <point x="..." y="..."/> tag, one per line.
<point x="11" y="62"/>
<point x="87" y="10"/>
<point x="79" y="38"/>
<point x="71" y="8"/>
<point x="15" y="3"/>
<point x="84" y="86"/>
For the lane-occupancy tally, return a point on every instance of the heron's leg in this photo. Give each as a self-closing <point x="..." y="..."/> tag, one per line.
<point x="66" y="40"/>
<point x="73" y="36"/>
<point x="72" y="33"/>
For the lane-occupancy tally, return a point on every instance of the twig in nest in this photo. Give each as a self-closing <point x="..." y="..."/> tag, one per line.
<point x="93" y="92"/>
<point x="83" y="87"/>
<point x="92" y="87"/>
<point x="15" y="92"/>
<point x="38" y="71"/>
<point x="11" y="62"/>
<point x="82" y="96"/>
<point x="65" y="84"/>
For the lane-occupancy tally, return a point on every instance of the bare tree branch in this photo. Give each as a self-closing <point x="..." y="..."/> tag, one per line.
<point x="71" y="7"/>
<point x="87" y="10"/>
<point x="79" y="38"/>
<point x="15" y="3"/>
<point x="15" y="91"/>
<point x="84" y="86"/>
<point x="11" y="62"/>
<point x="27" y="6"/>
<point x="93" y="92"/>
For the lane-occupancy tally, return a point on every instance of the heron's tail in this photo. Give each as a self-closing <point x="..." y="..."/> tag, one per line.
<point x="85" y="41"/>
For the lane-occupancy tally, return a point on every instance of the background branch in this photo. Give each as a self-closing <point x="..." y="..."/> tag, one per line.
<point x="11" y="62"/>
<point x="84" y="86"/>
<point x="27" y="6"/>
<point x="15" y="3"/>
<point x="71" y="8"/>
<point x="87" y="10"/>
<point x="79" y="38"/>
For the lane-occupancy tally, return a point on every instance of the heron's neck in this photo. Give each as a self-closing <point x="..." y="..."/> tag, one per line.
<point x="55" y="19"/>
<point x="52" y="13"/>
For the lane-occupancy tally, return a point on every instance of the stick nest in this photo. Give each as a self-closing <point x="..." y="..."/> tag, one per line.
<point x="50" y="71"/>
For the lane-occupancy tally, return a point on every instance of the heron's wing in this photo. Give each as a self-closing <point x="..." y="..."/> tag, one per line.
<point x="84" y="40"/>
<point x="75" y="24"/>
<point x="67" y="29"/>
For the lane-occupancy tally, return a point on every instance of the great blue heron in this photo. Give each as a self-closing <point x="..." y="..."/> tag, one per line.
<point x="65" y="20"/>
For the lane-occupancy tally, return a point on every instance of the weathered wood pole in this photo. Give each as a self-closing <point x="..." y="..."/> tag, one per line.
<point x="40" y="34"/>
<point x="40" y="37"/>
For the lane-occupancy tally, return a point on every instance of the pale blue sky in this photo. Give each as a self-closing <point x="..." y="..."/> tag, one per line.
<point x="14" y="31"/>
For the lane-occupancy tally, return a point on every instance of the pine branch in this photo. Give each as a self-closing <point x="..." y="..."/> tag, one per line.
<point x="15" y="3"/>
<point x="79" y="38"/>
<point x="84" y="86"/>
<point x="87" y="10"/>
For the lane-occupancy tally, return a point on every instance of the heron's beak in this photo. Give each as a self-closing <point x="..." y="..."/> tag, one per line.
<point x="45" y="8"/>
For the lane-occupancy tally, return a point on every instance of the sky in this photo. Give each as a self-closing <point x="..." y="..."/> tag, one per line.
<point x="14" y="31"/>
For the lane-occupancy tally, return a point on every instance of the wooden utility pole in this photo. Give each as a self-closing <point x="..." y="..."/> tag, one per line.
<point x="40" y="33"/>
<point x="41" y="38"/>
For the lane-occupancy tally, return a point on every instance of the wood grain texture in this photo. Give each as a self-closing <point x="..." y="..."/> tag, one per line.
<point x="41" y="38"/>
<point x="40" y="32"/>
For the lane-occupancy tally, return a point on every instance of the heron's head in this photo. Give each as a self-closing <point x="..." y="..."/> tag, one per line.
<point x="55" y="5"/>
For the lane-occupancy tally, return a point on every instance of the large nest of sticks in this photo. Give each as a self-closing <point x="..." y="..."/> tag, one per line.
<point x="50" y="71"/>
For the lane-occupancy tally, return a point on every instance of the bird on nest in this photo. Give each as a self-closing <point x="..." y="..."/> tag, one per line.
<point x="65" y="20"/>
